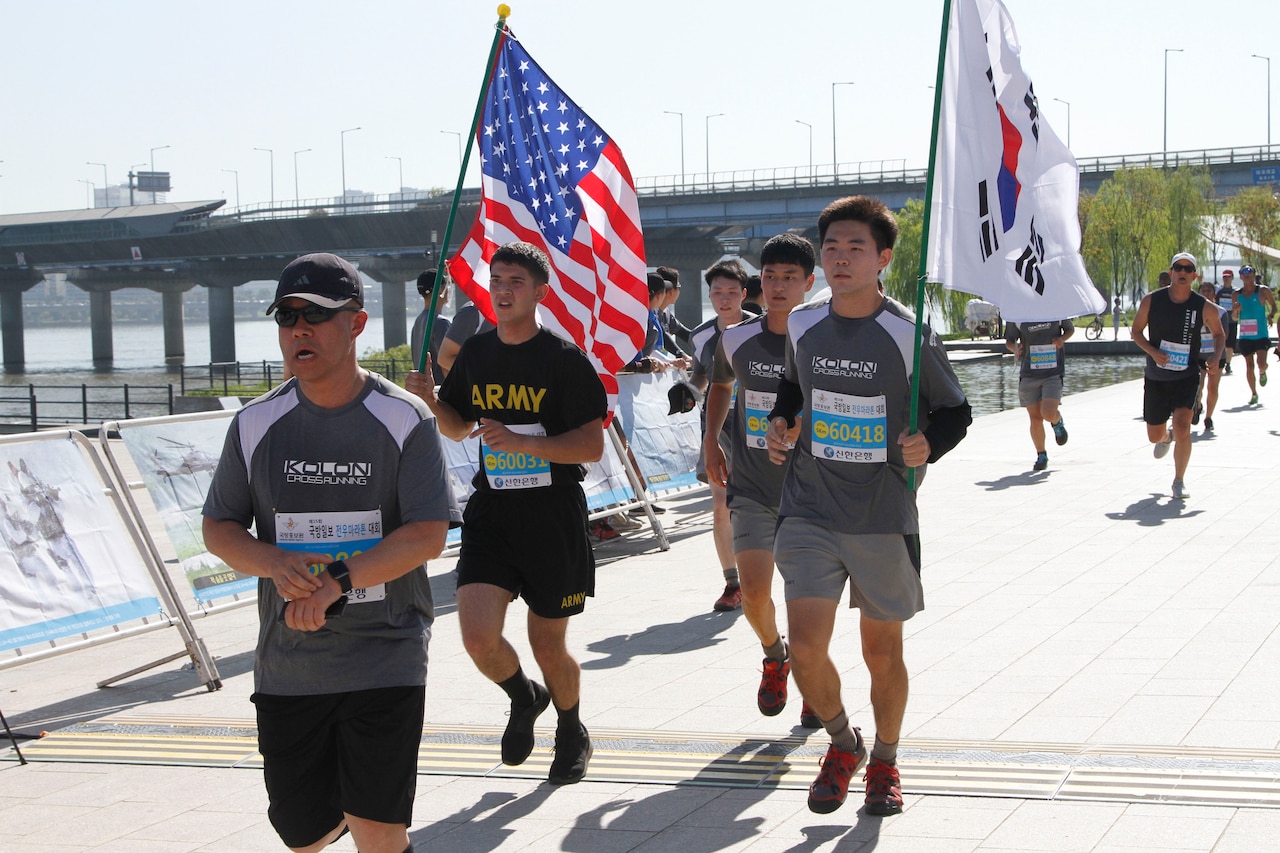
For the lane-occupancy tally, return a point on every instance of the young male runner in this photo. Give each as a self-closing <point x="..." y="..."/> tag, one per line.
<point x="1254" y="310"/>
<point x="726" y="287"/>
<point x="1209" y="381"/>
<point x="752" y="353"/>
<point x="537" y="405"/>
<point x="1039" y="348"/>
<point x="341" y="473"/>
<point x="847" y="514"/>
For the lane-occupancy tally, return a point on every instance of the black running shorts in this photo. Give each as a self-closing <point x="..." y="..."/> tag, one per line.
<point x="533" y="543"/>
<point x="339" y="752"/>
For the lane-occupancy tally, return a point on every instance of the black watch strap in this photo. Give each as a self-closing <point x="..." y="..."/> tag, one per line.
<point x="338" y="571"/>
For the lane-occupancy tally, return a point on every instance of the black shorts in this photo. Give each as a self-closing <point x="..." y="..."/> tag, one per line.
<point x="1248" y="346"/>
<point x="339" y="752"/>
<point x="533" y="543"/>
<point x="1232" y="330"/>
<point x="1161" y="397"/>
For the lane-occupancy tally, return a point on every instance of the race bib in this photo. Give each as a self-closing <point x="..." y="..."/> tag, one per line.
<point x="1226" y="302"/>
<point x="506" y="470"/>
<point x="1249" y="328"/>
<point x="1179" y="355"/>
<point x="846" y="428"/>
<point x="759" y="405"/>
<point x="1044" y="356"/>
<point x="1206" y="340"/>
<point x="340" y="535"/>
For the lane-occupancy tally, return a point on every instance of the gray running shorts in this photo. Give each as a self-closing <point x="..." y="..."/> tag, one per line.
<point x="753" y="524"/>
<point x="1033" y="389"/>
<point x="883" y="569"/>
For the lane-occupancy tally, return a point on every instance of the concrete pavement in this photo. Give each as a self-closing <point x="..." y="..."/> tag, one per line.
<point x="1095" y="670"/>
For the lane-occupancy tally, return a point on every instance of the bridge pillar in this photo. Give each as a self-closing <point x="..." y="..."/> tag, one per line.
<point x="12" y="329"/>
<point x="222" y="323"/>
<point x="171" y="311"/>
<point x="100" y="326"/>
<point x="394" y="316"/>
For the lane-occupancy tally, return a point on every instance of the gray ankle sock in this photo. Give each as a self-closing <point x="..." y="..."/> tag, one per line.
<point x="886" y="752"/>
<point x="842" y="735"/>
<point x="778" y="651"/>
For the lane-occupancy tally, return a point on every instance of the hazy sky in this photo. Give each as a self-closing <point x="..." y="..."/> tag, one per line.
<point x="91" y="80"/>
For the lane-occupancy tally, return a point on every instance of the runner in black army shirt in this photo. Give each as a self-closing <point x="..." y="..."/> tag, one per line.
<point x="538" y="407"/>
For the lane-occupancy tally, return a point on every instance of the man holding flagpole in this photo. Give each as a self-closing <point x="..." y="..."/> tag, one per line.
<point x="847" y="514"/>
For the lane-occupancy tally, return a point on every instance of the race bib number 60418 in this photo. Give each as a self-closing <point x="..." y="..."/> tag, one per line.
<point x="847" y="428"/>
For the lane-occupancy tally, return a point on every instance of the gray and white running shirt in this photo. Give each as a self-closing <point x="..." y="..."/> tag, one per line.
<point x="337" y="481"/>
<point x="755" y="357"/>
<point x="1040" y="358"/>
<point x="855" y="373"/>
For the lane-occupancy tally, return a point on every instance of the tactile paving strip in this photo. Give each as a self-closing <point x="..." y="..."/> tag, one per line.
<point x="1192" y="775"/>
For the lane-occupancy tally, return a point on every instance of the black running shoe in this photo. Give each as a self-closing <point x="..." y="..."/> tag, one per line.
<point x="573" y="754"/>
<point x="517" y="740"/>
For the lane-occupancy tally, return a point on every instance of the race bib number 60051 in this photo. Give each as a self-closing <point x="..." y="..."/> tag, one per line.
<point x="847" y="428"/>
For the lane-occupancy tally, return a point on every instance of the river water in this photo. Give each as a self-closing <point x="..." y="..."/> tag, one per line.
<point x="61" y="356"/>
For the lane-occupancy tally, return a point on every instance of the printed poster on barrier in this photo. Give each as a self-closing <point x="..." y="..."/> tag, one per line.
<point x="665" y="446"/>
<point x="68" y="564"/>
<point x="177" y="460"/>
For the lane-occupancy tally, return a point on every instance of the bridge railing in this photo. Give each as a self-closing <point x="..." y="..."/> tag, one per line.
<point x="233" y="378"/>
<point x="866" y="172"/>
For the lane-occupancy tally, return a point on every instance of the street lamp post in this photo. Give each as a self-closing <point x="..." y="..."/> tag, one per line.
<point x="1268" y="59"/>
<point x="271" y="155"/>
<point x="834" y="160"/>
<point x="459" y="135"/>
<point x="707" y="138"/>
<point x="295" y="174"/>
<point x="153" y="166"/>
<point x="132" y="166"/>
<point x="89" y="186"/>
<point x="237" y="174"/>
<point x="342" y="142"/>
<point x="806" y="124"/>
<point x="104" y="180"/>
<point x="1167" y="51"/>
<point x="681" y="115"/>
<point x="1068" y="103"/>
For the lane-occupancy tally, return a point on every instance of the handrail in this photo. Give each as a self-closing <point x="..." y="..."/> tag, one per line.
<point x="783" y="177"/>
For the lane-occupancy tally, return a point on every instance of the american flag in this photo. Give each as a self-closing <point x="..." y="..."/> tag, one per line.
<point x="552" y="177"/>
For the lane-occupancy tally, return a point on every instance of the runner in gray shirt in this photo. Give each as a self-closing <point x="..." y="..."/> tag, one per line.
<point x="847" y="513"/>
<point x="342" y="476"/>
<point x="1039" y="347"/>
<point x="752" y="354"/>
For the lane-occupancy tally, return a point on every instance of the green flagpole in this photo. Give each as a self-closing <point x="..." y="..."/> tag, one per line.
<point x="504" y="11"/>
<point x="924" y="231"/>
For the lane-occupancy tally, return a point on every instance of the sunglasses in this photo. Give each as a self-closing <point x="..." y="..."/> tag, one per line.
<point x="313" y="314"/>
<point x="1183" y="268"/>
<point x="1246" y="271"/>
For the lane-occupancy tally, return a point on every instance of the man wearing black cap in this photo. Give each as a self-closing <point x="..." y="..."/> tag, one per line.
<point x="1166" y="327"/>
<point x="342" y="475"/>
<point x="440" y="328"/>
<point x="1226" y="297"/>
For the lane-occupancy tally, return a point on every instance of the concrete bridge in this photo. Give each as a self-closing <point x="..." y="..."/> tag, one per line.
<point x="690" y="221"/>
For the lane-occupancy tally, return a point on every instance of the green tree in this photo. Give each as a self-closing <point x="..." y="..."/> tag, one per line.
<point x="901" y="276"/>
<point x="1187" y="191"/>
<point x="1257" y="212"/>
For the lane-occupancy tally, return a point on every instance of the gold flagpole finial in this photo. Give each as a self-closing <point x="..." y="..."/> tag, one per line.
<point x="504" y="11"/>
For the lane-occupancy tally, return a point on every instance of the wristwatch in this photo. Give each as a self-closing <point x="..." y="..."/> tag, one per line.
<point x="338" y="571"/>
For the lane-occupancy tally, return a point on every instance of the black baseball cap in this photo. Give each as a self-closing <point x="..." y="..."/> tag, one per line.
<point x="322" y="279"/>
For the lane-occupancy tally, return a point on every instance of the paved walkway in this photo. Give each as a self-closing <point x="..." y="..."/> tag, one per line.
<point x="1096" y="670"/>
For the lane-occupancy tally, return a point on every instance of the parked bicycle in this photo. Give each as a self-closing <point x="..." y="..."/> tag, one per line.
<point x="1094" y="330"/>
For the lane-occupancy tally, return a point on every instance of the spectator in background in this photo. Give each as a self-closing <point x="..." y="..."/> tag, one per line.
<point x="753" y="302"/>
<point x="426" y="285"/>
<point x="677" y="333"/>
<point x="467" y="321"/>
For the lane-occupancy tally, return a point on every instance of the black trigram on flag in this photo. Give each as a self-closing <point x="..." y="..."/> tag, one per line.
<point x="1028" y="263"/>
<point x="1033" y="110"/>
<point x="989" y="238"/>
